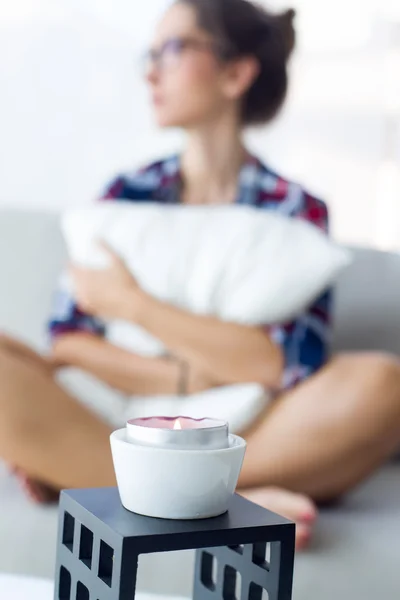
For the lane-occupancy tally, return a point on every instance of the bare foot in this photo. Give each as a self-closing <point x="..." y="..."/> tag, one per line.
<point x="295" y="507"/>
<point x="37" y="491"/>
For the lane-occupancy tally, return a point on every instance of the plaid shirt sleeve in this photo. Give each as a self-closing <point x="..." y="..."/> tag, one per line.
<point x="66" y="316"/>
<point x="139" y="185"/>
<point x="305" y="341"/>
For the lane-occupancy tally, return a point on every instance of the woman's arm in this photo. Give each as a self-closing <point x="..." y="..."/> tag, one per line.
<point x="77" y="339"/>
<point x="123" y="370"/>
<point x="229" y="352"/>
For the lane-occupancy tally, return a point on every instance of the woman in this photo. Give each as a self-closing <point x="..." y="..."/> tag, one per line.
<point x="215" y="67"/>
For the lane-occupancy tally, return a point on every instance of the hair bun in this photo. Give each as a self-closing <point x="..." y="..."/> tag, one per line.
<point x="290" y="14"/>
<point x="286" y="25"/>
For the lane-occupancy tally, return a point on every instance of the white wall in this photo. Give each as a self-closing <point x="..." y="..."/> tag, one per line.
<point x="73" y="111"/>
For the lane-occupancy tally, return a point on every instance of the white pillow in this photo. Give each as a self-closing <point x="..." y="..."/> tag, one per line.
<point x="239" y="263"/>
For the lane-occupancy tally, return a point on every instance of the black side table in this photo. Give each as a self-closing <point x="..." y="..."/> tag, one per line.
<point x="99" y="544"/>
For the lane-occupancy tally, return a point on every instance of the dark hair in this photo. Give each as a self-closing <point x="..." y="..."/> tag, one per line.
<point x="242" y="28"/>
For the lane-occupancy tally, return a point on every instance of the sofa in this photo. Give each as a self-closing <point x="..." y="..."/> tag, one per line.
<point x="356" y="551"/>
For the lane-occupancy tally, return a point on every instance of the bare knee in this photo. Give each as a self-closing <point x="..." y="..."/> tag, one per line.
<point x="10" y="348"/>
<point x="9" y="364"/>
<point x="16" y="404"/>
<point x="371" y="382"/>
<point x="368" y="369"/>
<point x="5" y="344"/>
<point x="17" y="379"/>
<point x="10" y="360"/>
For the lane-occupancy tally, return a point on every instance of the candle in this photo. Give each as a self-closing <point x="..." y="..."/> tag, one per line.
<point x="177" y="467"/>
<point x="179" y="433"/>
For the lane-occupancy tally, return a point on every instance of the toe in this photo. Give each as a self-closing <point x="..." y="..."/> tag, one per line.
<point x="303" y="536"/>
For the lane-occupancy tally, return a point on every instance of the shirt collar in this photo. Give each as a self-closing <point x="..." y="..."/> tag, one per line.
<point x="171" y="181"/>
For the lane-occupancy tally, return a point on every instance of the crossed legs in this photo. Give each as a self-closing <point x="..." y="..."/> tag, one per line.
<point x="319" y="439"/>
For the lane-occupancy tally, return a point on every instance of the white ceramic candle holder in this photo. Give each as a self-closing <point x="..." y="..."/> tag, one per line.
<point x="172" y="483"/>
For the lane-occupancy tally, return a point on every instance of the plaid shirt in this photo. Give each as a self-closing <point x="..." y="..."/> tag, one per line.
<point x="305" y="341"/>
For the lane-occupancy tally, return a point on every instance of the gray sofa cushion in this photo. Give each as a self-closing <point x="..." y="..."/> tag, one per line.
<point x="367" y="303"/>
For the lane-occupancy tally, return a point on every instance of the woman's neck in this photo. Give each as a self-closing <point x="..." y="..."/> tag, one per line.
<point x="211" y="164"/>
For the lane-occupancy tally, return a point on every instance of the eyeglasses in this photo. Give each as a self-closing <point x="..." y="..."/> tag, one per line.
<point x="169" y="54"/>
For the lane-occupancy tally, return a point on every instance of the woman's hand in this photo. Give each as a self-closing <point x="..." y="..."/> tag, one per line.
<point x="200" y="381"/>
<point x="110" y="293"/>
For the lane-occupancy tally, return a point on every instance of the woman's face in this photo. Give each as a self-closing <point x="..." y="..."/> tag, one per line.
<point x="187" y="81"/>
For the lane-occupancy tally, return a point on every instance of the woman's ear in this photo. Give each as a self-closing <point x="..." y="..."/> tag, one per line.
<point x="239" y="76"/>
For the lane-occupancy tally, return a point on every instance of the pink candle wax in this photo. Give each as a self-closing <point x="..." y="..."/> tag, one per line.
<point x="179" y="433"/>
